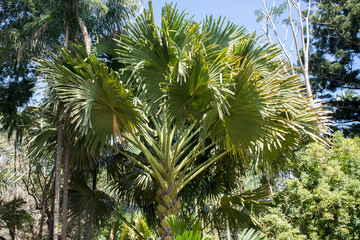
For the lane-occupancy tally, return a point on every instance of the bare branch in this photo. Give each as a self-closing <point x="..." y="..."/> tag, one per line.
<point x="268" y="16"/>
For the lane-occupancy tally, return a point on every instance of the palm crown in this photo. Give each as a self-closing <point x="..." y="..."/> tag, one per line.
<point x="195" y="83"/>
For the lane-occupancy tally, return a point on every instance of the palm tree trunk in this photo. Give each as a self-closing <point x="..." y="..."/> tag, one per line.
<point x="57" y="180"/>
<point x="65" y="188"/>
<point x="50" y="221"/>
<point x="79" y="228"/>
<point x="111" y="237"/>
<point x="92" y="211"/>
<point x="228" y="229"/>
<point x="44" y="202"/>
<point x="13" y="235"/>
<point x="168" y="204"/>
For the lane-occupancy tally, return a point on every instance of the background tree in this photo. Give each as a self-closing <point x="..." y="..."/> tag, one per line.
<point x="334" y="62"/>
<point x="29" y="28"/>
<point x="49" y="23"/>
<point x="322" y="201"/>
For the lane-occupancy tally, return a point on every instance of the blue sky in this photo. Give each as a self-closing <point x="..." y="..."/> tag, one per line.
<point x="240" y="12"/>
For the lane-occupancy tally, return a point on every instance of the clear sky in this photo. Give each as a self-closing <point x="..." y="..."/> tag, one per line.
<point x="240" y="12"/>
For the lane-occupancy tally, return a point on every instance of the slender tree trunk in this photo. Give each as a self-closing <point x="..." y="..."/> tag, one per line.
<point x="79" y="228"/>
<point x="70" y="21"/>
<point x="50" y="221"/>
<point x="111" y="237"/>
<point x="228" y="229"/>
<point x="57" y="180"/>
<point x="44" y="202"/>
<point x="70" y="33"/>
<point x="65" y="188"/>
<point x="92" y="211"/>
<point x="13" y="235"/>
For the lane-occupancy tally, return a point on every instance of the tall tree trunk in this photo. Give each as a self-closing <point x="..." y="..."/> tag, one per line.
<point x="44" y="202"/>
<point x="65" y="188"/>
<point x="111" y="237"/>
<point x="92" y="211"/>
<point x="50" y="221"/>
<point x="57" y="180"/>
<point x="228" y="231"/>
<point x="70" y="34"/>
<point x="79" y="228"/>
<point x="13" y="235"/>
<point x="70" y="21"/>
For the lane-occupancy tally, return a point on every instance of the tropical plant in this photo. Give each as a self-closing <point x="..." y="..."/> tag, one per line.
<point x="13" y="215"/>
<point x="143" y="231"/>
<point x="240" y="210"/>
<point x="209" y="87"/>
<point x="251" y="234"/>
<point x="8" y="177"/>
<point x="181" y="230"/>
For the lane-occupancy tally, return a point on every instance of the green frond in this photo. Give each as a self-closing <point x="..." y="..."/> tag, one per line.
<point x="251" y="234"/>
<point x="241" y="210"/>
<point x="100" y="107"/>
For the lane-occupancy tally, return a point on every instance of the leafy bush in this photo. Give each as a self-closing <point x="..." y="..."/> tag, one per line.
<point x="322" y="199"/>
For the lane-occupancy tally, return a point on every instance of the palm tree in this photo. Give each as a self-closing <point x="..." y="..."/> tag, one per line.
<point x="202" y="87"/>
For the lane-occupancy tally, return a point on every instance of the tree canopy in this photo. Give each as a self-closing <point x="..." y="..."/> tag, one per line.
<point x="334" y="62"/>
<point x="322" y="201"/>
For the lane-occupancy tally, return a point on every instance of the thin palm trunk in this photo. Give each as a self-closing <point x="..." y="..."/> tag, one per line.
<point x="50" y="221"/>
<point x="79" y="228"/>
<point x="111" y="237"/>
<point x="44" y="202"/>
<point x="65" y="188"/>
<point x="92" y="211"/>
<point x="57" y="180"/>
<point x="15" y="169"/>
<point x="228" y="231"/>
<point x="70" y="34"/>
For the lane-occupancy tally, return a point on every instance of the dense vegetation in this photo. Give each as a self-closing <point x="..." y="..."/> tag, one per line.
<point x="322" y="201"/>
<point x="184" y="130"/>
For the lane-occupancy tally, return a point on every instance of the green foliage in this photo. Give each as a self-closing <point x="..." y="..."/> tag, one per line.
<point x="16" y="83"/>
<point x="142" y="228"/>
<point x="212" y="88"/>
<point x="13" y="215"/>
<point x="82" y="198"/>
<point x="333" y="65"/>
<point x="181" y="230"/>
<point x="9" y="177"/>
<point x="241" y="209"/>
<point x="251" y="234"/>
<point x="192" y="235"/>
<point x="322" y="201"/>
<point x="29" y="28"/>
